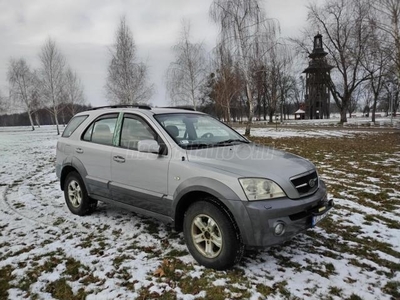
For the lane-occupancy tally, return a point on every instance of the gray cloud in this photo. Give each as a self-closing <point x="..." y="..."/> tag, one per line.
<point x="84" y="31"/>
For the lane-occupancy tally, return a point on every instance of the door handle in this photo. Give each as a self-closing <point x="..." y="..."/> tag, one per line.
<point x="79" y="150"/>
<point x="119" y="159"/>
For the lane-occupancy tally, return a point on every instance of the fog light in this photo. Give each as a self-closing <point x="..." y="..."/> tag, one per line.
<point x="279" y="229"/>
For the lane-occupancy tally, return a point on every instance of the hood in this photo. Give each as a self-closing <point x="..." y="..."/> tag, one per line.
<point x="252" y="160"/>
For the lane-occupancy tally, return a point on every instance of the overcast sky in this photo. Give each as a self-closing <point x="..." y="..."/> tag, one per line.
<point x="84" y="30"/>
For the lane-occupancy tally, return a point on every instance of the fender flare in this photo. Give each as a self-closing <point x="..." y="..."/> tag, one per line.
<point x="220" y="191"/>
<point x="78" y="166"/>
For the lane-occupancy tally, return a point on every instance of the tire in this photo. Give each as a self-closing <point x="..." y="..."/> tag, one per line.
<point x="211" y="236"/>
<point x="76" y="196"/>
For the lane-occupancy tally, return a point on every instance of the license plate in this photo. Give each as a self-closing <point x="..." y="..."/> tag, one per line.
<point x="316" y="219"/>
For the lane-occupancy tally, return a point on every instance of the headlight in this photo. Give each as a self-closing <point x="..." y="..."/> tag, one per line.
<point x="260" y="189"/>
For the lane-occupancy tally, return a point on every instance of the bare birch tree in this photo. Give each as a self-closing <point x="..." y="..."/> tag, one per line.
<point x="23" y="86"/>
<point x="227" y="85"/>
<point x="127" y="77"/>
<point x="389" y="22"/>
<point x="52" y="74"/>
<point x="242" y="23"/>
<point x="376" y="63"/>
<point x="73" y="91"/>
<point x="187" y="73"/>
<point x="345" y="24"/>
<point x="2" y="103"/>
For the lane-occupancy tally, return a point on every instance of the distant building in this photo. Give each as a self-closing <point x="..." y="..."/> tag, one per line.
<point x="299" y="114"/>
<point x="317" y="95"/>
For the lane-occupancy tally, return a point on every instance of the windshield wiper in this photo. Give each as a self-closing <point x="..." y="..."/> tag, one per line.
<point x="197" y="145"/>
<point x="230" y="141"/>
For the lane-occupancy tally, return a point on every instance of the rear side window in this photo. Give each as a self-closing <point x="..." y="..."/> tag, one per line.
<point x="73" y="125"/>
<point x="102" y="130"/>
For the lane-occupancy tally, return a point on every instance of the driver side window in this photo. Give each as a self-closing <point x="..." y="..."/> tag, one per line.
<point x="134" y="129"/>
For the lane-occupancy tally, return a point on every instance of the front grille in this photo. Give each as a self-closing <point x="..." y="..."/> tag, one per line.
<point x="306" y="184"/>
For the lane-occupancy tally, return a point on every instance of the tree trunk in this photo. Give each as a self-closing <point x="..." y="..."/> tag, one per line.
<point x="271" y="117"/>
<point x="30" y="119"/>
<point x="374" y="108"/>
<point x="37" y="120"/>
<point x="250" y="110"/>
<point x="228" y="114"/>
<point x="343" y="115"/>
<point x="56" y="120"/>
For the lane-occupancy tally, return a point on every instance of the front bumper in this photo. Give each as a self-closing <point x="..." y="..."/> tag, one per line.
<point x="295" y="215"/>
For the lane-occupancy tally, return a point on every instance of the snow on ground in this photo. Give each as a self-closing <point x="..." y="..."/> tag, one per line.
<point x="355" y="121"/>
<point x="114" y="254"/>
<point x="281" y="132"/>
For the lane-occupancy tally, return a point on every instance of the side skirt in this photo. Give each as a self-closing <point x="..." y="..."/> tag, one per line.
<point x="162" y="218"/>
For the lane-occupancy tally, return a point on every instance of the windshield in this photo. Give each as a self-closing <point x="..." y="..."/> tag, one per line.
<point x="191" y="131"/>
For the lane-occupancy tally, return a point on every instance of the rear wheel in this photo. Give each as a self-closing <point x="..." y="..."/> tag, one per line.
<point x="76" y="196"/>
<point x="211" y="236"/>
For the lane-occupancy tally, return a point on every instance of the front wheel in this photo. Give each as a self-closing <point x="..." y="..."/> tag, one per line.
<point x="211" y="236"/>
<point x="76" y="196"/>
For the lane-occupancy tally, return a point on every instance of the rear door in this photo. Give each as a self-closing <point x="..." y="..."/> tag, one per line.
<point x="94" y="151"/>
<point x="139" y="179"/>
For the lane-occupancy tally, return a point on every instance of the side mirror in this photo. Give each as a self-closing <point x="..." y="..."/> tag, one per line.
<point x="149" y="146"/>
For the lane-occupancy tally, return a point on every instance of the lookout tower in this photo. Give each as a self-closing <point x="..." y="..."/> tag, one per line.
<point x="317" y="95"/>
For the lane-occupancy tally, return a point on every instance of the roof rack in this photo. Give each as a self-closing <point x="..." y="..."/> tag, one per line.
<point x="123" y="106"/>
<point x="178" y="107"/>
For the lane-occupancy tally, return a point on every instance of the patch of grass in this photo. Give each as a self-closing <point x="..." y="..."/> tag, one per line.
<point x="392" y="288"/>
<point x="126" y="277"/>
<point x="151" y="227"/>
<point x="19" y="205"/>
<point x="336" y="291"/>
<point x="151" y="251"/>
<point x="318" y="269"/>
<point x="118" y="260"/>
<point x="58" y="221"/>
<point x="389" y="222"/>
<point x="237" y="285"/>
<point x="5" y="279"/>
<point x="354" y="297"/>
<point x="144" y="293"/>
<point x="61" y="290"/>
<point x="87" y="241"/>
<point x="35" y="271"/>
<point x="74" y="269"/>
<point x="176" y="253"/>
<point x="90" y="278"/>
<point x="279" y="286"/>
<point x="103" y="228"/>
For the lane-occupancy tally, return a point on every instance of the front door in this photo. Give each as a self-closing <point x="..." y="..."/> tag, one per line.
<point x="139" y="179"/>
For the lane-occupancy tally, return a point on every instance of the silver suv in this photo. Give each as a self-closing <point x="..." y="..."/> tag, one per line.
<point x="187" y="168"/>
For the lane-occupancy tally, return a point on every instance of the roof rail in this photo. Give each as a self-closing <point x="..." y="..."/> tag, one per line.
<point x="178" y="107"/>
<point x="123" y="106"/>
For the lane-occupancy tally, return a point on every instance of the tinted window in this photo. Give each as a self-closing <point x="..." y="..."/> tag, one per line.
<point x="197" y="129"/>
<point x="73" y="125"/>
<point x="134" y="129"/>
<point x="102" y="130"/>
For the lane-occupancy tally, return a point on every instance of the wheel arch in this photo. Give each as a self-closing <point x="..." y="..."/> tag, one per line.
<point x="74" y="165"/>
<point x="215" y="192"/>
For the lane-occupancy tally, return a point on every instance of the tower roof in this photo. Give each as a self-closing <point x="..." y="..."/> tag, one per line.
<point x="318" y="49"/>
<point x="317" y="61"/>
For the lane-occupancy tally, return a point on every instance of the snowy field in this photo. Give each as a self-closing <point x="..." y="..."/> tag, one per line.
<point x="282" y="132"/>
<point x="355" y="121"/>
<point x="48" y="253"/>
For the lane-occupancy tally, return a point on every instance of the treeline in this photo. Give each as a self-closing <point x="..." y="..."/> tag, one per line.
<point x="42" y="116"/>
<point x="54" y="88"/>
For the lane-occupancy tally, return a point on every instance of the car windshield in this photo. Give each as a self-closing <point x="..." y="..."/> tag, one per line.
<point x="193" y="131"/>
